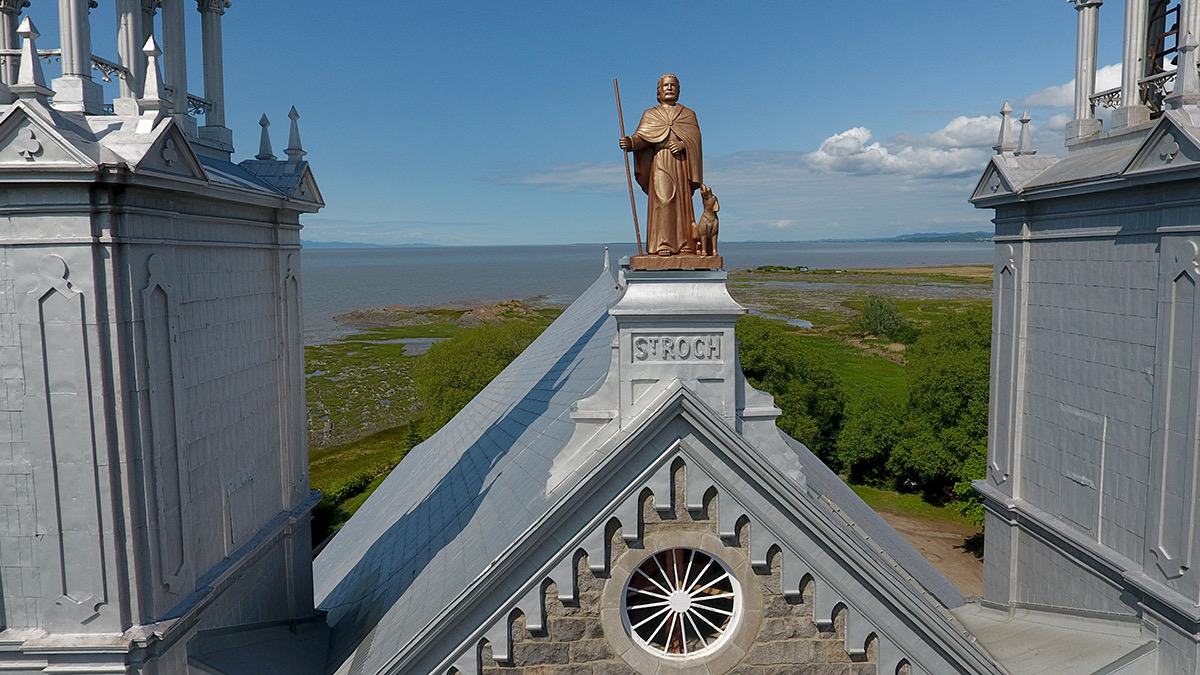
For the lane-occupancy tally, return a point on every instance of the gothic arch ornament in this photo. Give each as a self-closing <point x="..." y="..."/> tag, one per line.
<point x="1006" y="365"/>
<point x="68" y="478"/>
<point x="170" y="490"/>
<point x="1174" y="443"/>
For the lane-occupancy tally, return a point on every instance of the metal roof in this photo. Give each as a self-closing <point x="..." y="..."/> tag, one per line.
<point x="433" y="525"/>
<point x="441" y="520"/>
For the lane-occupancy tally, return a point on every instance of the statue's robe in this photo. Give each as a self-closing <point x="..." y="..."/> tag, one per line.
<point x="668" y="180"/>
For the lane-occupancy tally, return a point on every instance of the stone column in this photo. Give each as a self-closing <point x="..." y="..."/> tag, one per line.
<point x="10" y="11"/>
<point x="214" y="68"/>
<point x="1133" y="110"/>
<point x="75" y="90"/>
<point x="175" y="64"/>
<point x="175" y="53"/>
<point x="129" y="47"/>
<point x="1187" y="78"/>
<point x="214" y="129"/>
<point x="1085" y="122"/>
<point x="149" y="9"/>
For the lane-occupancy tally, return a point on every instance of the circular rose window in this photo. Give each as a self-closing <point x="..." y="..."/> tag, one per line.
<point x="681" y="602"/>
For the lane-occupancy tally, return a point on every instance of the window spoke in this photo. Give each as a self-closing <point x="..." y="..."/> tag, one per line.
<point x="651" y="617"/>
<point x="681" y="602"/>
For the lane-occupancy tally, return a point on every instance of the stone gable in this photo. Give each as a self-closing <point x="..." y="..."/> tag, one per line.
<point x="777" y="632"/>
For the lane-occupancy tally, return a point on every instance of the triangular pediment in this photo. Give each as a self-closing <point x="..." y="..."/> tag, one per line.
<point x="306" y="188"/>
<point x="1169" y="147"/>
<point x="27" y="141"/>
<point x="171" y="154"/>
<point x="682" y="478"/>
<point x="993" y="183"/>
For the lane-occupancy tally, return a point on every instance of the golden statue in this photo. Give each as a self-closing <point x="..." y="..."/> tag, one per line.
<point x="669" y="167"/>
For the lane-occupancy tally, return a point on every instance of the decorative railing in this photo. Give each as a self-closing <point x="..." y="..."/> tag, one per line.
<point x="1152" y="90"/>
<point x="197" y="105"/>
<point x="1109" y="98"/>
<point x="107" y="68"/>
<point x="15" y="55"/>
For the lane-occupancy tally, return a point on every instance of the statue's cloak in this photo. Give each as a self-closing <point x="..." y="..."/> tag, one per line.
<point x="657" y="124"/>
<point x="669" y="180"/>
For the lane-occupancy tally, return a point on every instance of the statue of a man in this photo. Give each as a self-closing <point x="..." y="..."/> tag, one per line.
<point x="669" y="166"/>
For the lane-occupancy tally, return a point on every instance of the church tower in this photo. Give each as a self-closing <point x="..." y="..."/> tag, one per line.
<point x="1092" y="491"/>
<point x="153" y="468"/>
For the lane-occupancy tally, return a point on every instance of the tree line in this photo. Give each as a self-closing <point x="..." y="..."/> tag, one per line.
<point x="933" y="440"/>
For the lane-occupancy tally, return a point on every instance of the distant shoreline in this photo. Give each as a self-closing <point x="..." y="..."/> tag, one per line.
<point x="340" y="280"/>
<point x="918" y="238"/>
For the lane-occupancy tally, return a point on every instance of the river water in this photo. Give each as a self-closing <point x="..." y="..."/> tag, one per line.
<point x="338" y="280"/>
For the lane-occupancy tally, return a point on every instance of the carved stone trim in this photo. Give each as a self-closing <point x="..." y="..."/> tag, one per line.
<point x="1174" y="458"/>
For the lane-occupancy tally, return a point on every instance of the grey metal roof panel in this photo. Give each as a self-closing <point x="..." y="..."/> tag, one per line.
<point x="228" y="173"/>
<point x="1019" y="171"/>
<point x="465" y="494"/>
<point x="825" y="483"/>
<point x="1108" y="161"/>
<point x="283" y="175"/>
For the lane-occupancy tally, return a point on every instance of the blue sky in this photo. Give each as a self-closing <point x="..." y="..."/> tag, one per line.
<point x="494" y="123"/>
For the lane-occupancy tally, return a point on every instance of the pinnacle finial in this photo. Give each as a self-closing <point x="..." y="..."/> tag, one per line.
<point x="264" y="144"/>
<point x="294" y="151"/>
<point x="1025" y="144"/>
<point x="1004" y="143"/>
<point x="153" y="88"/>
<point x="31" y="82"/>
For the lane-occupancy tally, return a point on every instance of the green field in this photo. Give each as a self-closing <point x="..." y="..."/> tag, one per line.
<point x="364" y="413"/>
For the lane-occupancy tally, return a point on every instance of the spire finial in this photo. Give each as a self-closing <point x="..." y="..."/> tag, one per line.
<point x="31" y="82"/>
<point x="294" y="152"/>
<point x="1025" y="144"/>
<point x="152" y="88"/>
<point x="1004" y="143"/>
<point x="264" y="143"/>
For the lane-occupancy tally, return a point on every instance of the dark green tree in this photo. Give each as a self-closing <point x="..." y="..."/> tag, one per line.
<point x="944" y="439"/>
<point x="804" y="386"/>
<point x="873" y="425"/>
<point x="452" y="372"/>
<point x="880" y="316"/>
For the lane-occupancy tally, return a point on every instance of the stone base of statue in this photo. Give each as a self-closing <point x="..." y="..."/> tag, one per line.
<point x="682" y="261"/>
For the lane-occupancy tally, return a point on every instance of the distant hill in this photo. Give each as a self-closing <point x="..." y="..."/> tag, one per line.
<point x="920" y="237"/>
<point x="357" y="244"/>
<point x="944" y="236"/>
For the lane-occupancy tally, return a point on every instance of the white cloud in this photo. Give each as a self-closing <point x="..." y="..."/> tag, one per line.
<point x="1063" y="95"/>
<point x="585" y="177"/>
<point x="955" y="150"/>
<point x="960" y="132"/>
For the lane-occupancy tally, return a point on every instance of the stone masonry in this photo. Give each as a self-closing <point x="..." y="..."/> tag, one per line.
<point x="786" y="641"/>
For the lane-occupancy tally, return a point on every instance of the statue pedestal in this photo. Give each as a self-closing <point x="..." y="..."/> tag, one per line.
<point x="683" y="261"/>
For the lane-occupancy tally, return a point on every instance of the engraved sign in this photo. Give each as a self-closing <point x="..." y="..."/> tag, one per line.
<point x="677" y="348"/>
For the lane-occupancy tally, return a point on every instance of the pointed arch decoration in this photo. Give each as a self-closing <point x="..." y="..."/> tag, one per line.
<point x="1177" y="382"/>
<point x="67" y="479"/>
<point x="1006" y="330"/>
<point x="160" y="323"/>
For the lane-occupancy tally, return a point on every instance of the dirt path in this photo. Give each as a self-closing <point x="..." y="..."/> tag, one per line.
<point x="945" y="545"/>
